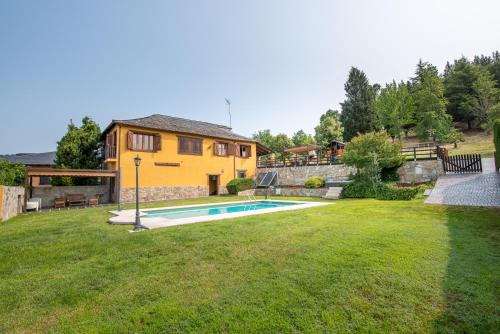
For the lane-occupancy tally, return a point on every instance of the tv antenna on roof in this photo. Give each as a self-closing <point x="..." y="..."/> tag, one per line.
<point x="228" y="102"/>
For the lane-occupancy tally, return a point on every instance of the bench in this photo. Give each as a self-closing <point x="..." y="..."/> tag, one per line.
<point x="59" y="202"/>
<point x="75" y="199"/>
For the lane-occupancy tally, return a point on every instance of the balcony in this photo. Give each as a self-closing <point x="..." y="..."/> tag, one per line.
<point x="109" y="152"/>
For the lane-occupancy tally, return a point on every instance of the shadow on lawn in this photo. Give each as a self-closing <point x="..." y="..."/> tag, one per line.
<point x="471" y="285"/>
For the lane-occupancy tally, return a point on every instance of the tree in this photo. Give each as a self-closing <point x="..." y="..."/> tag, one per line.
<point x="280" y="142"/>
<point x="357" y="114"/>
<point x="430" y="114"/>
<point x="372" y="148"/>
<point x="264" y="137"/>
<point x="11" y="174"/>
<point x="486" y="99"/>
<point x="395" y="108"/>
<point x="80" y="147"/>
<point x="302" y="138"/>
<point x="459" y="91"/>
<point x="423" y="67"/>
<point x="330" y="113"/>
<point x="328" y="129"/>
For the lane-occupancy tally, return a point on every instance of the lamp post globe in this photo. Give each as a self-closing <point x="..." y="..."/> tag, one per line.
<point x="137" y="226"/>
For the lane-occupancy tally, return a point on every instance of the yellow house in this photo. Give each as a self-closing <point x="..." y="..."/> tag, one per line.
<point x="180" y="158"/>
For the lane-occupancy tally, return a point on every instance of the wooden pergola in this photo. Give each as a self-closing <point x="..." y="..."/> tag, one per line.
<point x="56" y="172"/>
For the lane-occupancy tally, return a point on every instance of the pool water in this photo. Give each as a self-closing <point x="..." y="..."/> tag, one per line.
<point x="216" y="209"/>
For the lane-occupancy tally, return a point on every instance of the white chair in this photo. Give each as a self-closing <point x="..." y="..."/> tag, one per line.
<point x="34" y="203"/>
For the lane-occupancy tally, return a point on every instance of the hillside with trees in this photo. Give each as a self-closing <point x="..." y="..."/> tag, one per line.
<point x="430" y="106"/>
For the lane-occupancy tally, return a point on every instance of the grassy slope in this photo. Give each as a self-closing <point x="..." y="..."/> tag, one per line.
<point x="475" y="142"/>
<point x="356" y="265"/>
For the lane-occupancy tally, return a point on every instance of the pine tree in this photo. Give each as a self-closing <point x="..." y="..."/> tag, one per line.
<point x="433" y="122"/>
<point x="358" y="115"/>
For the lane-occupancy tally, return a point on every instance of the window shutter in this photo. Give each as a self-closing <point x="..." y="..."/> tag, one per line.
<point x="230" y="149"/>
<point x="216" y="148"/>
<point x="237" y="150"/>
<point x="157" y="142"/>
<point x="249" y="151"/>
<point x="130" y="139"/>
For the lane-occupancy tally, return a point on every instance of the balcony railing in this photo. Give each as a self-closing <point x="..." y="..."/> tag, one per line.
<point x="110" y="152"/>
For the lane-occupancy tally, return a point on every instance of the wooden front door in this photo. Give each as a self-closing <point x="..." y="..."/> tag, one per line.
<point x="213" y="185"/>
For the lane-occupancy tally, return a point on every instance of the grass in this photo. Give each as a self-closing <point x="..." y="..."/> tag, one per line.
<point x="354" y="266"/>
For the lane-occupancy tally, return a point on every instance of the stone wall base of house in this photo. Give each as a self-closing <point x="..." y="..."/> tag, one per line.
<point x="49" y="193"/>
<point x="11" y="201"/>
<point x="297" y="176"/>
<point x="420" y="171"/>
<point x="152" y="194"/>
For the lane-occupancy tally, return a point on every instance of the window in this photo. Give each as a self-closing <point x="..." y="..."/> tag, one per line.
<point x="242" y="174"/>
<point x="145" y="142"/>
<point x="221" y="149"/>
<point x="188" y="145"/>
<point x="244" y="151"/>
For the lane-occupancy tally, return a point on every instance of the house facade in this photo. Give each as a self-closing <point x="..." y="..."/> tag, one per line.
<point x="180" y="158"/>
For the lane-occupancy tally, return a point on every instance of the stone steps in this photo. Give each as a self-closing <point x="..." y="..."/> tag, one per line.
<point x="333" y="193"/>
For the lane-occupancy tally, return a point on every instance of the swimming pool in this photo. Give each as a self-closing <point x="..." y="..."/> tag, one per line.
<point x="189" y="214"/>
<point x="217" y="209"/>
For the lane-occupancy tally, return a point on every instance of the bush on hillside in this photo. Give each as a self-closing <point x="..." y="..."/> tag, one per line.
<point x="314" y="182"/>
<point x="11" y="174"/>
<point x="236" y="185"/>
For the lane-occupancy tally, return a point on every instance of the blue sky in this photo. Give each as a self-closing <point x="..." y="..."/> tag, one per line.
<point x="282" y="63"/>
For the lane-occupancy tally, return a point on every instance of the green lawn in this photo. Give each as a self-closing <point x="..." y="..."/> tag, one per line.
<point x="354" y="266"/>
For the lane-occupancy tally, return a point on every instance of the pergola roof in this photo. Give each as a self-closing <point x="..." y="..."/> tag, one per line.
<point x="45" y="171"/>
<point x="302" y="148"/>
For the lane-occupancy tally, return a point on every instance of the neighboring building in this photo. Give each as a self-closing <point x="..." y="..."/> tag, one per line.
<point x="46" y="159"/>
<point x="180" y="158"/>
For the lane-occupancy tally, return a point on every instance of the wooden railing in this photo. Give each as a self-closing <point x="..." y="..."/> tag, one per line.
<point x="424" y="152"/>
<point x="110" y="152"/>
<point x="297" y="162"/>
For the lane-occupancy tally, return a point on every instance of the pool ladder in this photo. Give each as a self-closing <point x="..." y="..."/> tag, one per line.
<point x="251" y="198"/>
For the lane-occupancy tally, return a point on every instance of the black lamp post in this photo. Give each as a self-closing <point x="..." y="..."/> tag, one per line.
<point x="137" y="226"/>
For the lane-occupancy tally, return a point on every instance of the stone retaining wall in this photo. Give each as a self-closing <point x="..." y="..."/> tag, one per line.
<point x="420" y="171"/>
<point x="48" y="194"/>
<point x="297" y="176"/>
<point x="151" y="194"/>
<point x="292" y="192"/>
<point x="11" y="201"/>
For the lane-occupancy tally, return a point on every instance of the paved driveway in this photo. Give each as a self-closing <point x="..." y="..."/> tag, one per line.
<point x="468" y="189"/>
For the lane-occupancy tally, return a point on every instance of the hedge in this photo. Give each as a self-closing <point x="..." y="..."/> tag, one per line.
<point x="314" y="182"/>
<point x="380" y="191"/>
<point x="236" y="185"/>
<point x="496" y="140"/>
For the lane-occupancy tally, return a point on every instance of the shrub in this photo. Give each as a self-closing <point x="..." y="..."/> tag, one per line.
<point x="314" y="182"/>
<point x="496" y="140"/>
<point x="390" y="174"/>
<point x="380" y="191"/>
<point x="236" y="185"/>
<point x="387" y="192"/>
<point x="11" y="174"/>
<point x="374" y="146"/>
